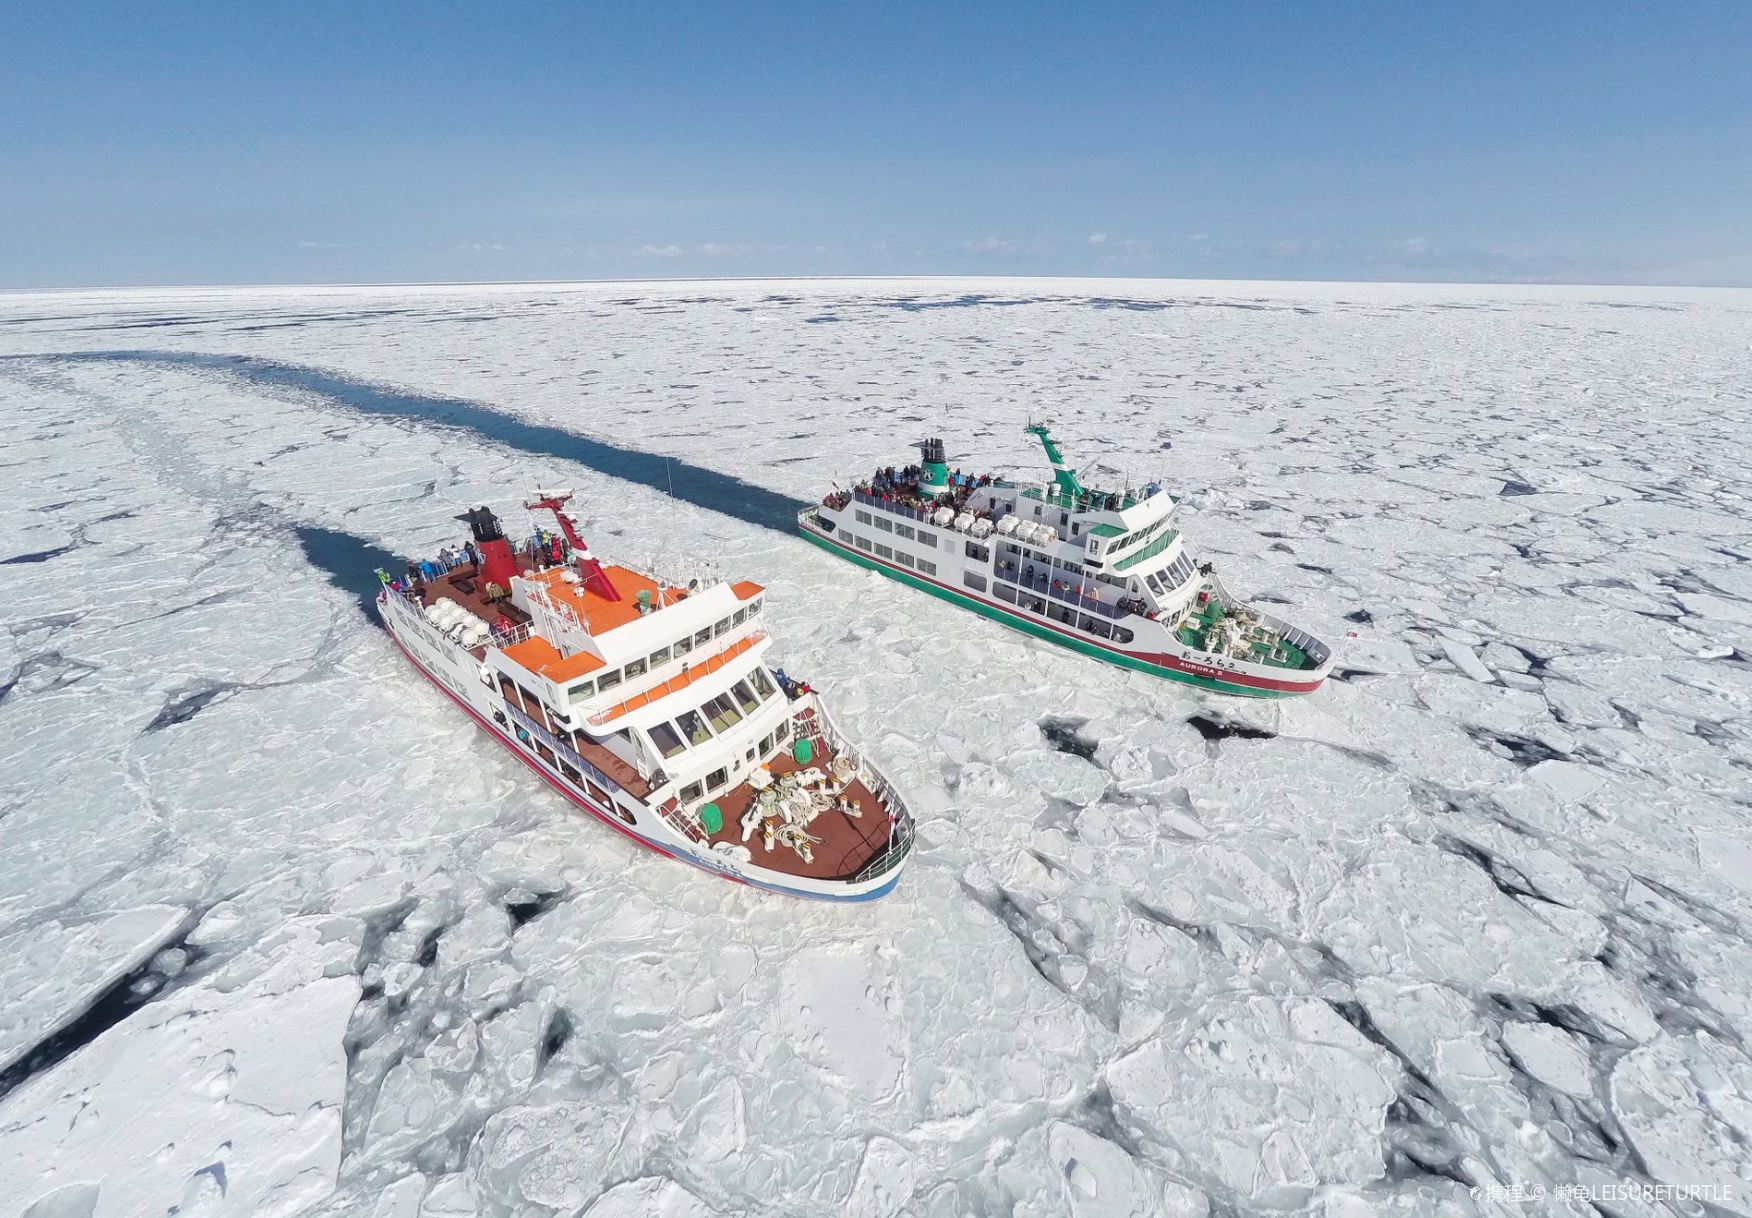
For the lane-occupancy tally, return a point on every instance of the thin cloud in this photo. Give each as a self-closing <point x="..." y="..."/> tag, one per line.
<point x="991" y="245"/>
<point x="659" y="251"/>
<point x="1097" y="238"/>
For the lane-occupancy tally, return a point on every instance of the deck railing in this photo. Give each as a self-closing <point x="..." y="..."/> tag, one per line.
<point x="1069" y="595"/>
<point x="889" y="505"/>
<point x="676" y="681"/>
<point x="900" y="820"/>
<point x="562" y="750"/>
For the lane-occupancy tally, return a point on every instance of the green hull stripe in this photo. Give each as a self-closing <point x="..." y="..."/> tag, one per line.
<point x="1016" y="622"/>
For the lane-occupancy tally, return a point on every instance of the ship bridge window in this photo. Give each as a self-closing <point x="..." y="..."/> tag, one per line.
<point x="722" y="628"/>
<point x="581" y="690"/>
<point x="721" y="713"/>
<point x="693" y="727"/>
<point x="745" y="696"/>
<point x="667" y="739"/>
<point x="608" y="681"/>
<point x="635" y="669"/>
<point x="659" y="657"/>
<point x="683" y="646"/>
<point x="703" y="637"/>
<point x="691" y="792"/>
<point x="754" y="608"/>
<point x="739" y="617"/>
<point x="762" y="684"/>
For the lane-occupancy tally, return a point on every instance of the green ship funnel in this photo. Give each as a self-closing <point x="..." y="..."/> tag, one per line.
<point x="934" y="467"/>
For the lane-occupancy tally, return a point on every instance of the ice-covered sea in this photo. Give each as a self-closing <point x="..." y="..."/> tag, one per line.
<point x="1468" y="931"/>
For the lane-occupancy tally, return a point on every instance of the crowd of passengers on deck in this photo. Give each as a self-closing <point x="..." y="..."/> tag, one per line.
<point x="541" y="549"/>
<point x="900" y="485"/>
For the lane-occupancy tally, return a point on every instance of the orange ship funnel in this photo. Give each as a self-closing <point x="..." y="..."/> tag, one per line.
<point x="589" y="570"/>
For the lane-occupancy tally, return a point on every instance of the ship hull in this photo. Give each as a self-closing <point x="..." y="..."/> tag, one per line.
<point x="712" y="864"/>
<point x="1159" y="664"/>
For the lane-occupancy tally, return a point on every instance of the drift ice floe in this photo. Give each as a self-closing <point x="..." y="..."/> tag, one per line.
<point x="1105" y="573"/>
<point x="648" y="703"/>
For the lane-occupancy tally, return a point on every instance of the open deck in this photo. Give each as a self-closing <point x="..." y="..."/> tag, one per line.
<point x="847" y="843"/>
<point x="1263" y="646"/>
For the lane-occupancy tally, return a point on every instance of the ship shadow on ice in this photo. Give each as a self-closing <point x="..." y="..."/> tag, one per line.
<point x="693" y="484"/>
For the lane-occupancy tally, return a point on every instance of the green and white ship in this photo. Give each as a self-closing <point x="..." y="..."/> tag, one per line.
<point x="1105" y="573"/>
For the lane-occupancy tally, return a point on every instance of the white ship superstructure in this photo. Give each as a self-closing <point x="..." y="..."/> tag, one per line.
<point x="1106" y="573"/>
<point x="649" y="703"/>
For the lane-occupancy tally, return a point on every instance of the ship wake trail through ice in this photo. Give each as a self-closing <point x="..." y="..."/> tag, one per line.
<point x="1105" y="573"/>
<point x="647" y="702"/>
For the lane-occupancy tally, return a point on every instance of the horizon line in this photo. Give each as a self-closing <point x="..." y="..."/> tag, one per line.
<point x="957" y="276"/>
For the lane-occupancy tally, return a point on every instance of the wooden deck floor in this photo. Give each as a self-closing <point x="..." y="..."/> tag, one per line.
<point x="846" y="845"/>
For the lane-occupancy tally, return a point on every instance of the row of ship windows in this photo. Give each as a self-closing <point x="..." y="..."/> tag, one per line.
<point x="1059" y="613"/>
<point x="1064" y="564"/>
<point x="923" y="566"/>
<point x="638" y="668"/>
<point x="718" y="715"/>
<point x="1132" y="539"/>
<point x="1170" y="577"/>
<point x="923" y="536"/>
<point x="571" y="775"/>
<point x="718" y="779"/>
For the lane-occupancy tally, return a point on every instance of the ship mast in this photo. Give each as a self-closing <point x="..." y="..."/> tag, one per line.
<point x="589" y="570"/>
<point x="1062" y="476"/>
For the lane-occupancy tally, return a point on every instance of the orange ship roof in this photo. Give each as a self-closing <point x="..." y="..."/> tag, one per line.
<point x="542" y="658"/>
<point x="599" y="614"/>
<point x="682" y="681"/>
<point x="746" y="588"/>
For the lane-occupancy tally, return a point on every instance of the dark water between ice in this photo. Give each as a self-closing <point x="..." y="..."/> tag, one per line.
<point x="693" y="484"/>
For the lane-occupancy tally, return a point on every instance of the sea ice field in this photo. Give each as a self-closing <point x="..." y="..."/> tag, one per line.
<point x="1467" y="931"/>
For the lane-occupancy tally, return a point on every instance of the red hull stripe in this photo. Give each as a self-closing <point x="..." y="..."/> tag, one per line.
<point x="608" y="819"/>
<point x="614" y="823"/>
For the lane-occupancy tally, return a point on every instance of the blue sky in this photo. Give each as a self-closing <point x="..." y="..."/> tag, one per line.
<point x="244" y="143"/>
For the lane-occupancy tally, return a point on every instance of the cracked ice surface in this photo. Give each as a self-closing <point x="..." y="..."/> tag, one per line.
<point x="281" y="933"/>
